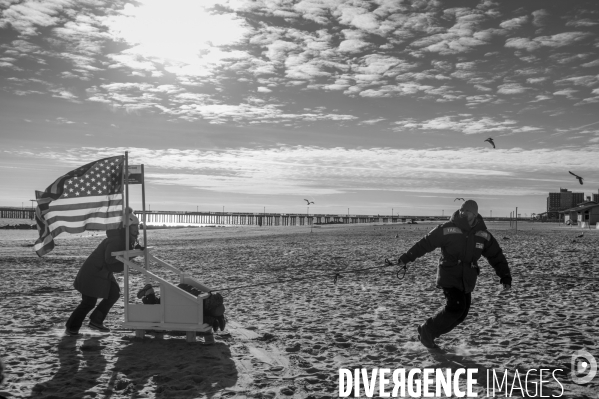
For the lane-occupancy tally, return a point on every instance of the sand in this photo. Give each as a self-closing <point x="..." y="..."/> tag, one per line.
<point x="289" y="339"/>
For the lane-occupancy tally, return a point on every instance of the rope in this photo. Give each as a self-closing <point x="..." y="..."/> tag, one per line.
<point x="540" y="275"/>
<point x="336" y="275"/>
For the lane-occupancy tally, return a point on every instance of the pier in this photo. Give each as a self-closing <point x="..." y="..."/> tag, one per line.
<point x="255" y="219"/>
<point x="16" y="213"/>
<point x="261" y="219"/>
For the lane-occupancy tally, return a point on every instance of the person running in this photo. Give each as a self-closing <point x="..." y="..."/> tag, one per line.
<point x="463" y="240"/>
<point x="95" y="279"/>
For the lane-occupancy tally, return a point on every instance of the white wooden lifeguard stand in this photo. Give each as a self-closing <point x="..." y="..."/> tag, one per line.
<point x="178" y="309"/>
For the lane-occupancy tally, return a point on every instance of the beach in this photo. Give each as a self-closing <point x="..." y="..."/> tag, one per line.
<point x="287" y="338"/>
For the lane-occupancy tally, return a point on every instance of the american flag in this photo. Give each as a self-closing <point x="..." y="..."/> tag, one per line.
<point x="87" y="198"/>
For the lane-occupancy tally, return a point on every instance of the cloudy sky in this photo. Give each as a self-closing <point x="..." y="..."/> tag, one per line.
<point x="374" y="105"/>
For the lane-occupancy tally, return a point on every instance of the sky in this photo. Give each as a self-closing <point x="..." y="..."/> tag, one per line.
<point x="363" y="107"/>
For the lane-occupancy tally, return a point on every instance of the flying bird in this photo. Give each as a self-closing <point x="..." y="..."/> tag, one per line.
<point x="459" y="199"/>
<point x="576" y="176"/>
<point x="309" y="202"/>
<point x="490" y="140"/>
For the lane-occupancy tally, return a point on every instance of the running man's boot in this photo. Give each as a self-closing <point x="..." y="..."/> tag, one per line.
<point x="426" y="338"/>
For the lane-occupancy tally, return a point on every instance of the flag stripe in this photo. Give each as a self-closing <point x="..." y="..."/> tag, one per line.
<point x="78" y="214"/>
<point x="84" y="220"/>
<point x="74" y="210"/>
<point x="85" y="200"/>
<point x="75" y="228"/>
<point x="45" y="246"/>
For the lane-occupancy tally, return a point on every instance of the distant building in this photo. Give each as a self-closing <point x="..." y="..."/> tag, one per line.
<point x="577" y="198"/>
<point x="583" y="215"/>
<point x="561" y="201"/>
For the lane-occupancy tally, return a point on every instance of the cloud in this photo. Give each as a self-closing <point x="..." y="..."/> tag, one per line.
<point x="357" y="17"/>
<point x="566" y="92"/>
<point x="278" y="50"/>
<point x="589" y="100"/>
<point x="514" y="23"/>
<point x="540" y="18"/>
<point x="482" y="88"/>
<point x="541" y="97"/>
<point x="586" y="80"/>
<point x="554" y="41"/>
<point x="313" y="10"/>
<point x="64" y="94"/>
<point x="582" y="23"/>
<point x="372" y="121"/>
<point x="536" y="80"/>
<point x="64" y="121"/>
<point x="591" y="64"/>
<point x="293" y="170"/>
<point x="27" y="17"/>
<point x="400" y="89"/>
<point x="511" y="88"/>
<point x="353" y="46"/>
<point x="465" y="124"/>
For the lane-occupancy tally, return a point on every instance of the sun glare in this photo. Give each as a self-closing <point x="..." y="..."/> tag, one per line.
<point x="180" y="31"/>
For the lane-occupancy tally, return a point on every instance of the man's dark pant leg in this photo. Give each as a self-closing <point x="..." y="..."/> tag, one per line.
<point x="99" y="314"/>
<point x="467" y="298"/>
<point x="455" y="311"/>
<point x="76" y="320"/>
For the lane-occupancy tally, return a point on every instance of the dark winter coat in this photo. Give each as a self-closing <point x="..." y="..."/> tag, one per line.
<point x="461" y="248"/>
<point x="95" y="275"/>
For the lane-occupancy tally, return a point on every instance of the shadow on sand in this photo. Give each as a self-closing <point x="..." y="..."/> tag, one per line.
<point x="76" y="374"/>
<point x="171" y="368"/>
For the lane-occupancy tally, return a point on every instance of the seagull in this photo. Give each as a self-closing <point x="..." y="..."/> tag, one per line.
<point x="308" y="201"/>
<point x="490" y="140"/>
<point x="506" y="238"/>
<point x="576" y="176"/>
<point x="459" y="199"/>
<point x="580" y="236"/>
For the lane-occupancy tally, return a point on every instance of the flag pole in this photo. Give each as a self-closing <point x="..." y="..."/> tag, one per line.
<point x="123" y="189"/>
<point x="143" y="208"/>
<point x="126" y="173"/>
<point x="126" y="269"/>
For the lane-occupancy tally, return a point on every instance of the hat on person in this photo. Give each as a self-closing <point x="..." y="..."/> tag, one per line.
<point x="470" y="206"/>
<point x="132" y="218"/>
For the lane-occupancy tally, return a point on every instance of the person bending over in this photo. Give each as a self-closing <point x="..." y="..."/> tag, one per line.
<point x="96" y="280"/>
<point x="463" y="240"/>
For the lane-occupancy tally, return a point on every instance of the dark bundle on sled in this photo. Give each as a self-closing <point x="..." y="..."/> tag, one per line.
<point x="214" y="309"/>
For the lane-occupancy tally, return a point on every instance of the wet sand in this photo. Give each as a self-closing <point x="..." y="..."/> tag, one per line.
<point x="289" y="339"/>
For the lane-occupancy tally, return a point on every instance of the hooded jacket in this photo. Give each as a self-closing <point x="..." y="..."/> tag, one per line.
<point x="96" y="273"/>
<point x="461" y="246"/>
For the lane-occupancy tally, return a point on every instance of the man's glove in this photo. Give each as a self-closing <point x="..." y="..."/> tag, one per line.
<point x="403" y="260"/>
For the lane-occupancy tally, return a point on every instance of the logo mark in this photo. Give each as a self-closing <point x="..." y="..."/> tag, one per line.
<point x="587" y="366"/>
